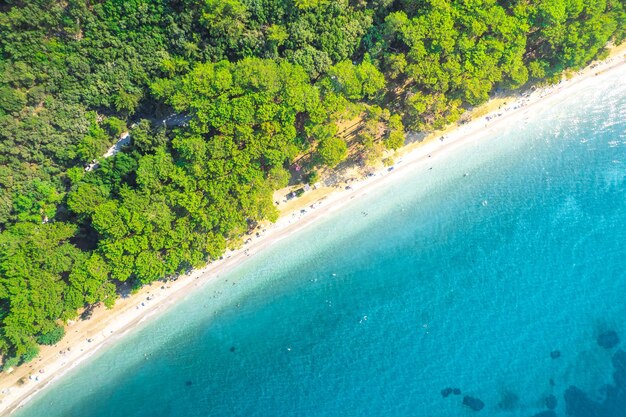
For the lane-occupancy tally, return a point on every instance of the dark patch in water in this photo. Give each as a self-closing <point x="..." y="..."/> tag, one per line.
<point x="188" y="383"/>
<point x="608" y="339"/>
<point x="551" y="402"/>
<point x="448" y="390"/>
<point x="509" y="401"/>
<point x="474" y="403"/>
<point x="232" y="349"/>
<point x="619" y="363"/>
<point x="578" y="404"/>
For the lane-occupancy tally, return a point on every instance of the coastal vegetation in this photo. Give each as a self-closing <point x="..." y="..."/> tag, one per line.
<point x="259" y="85"/>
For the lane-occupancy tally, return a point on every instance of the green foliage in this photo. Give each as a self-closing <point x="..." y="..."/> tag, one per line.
<point x="453" y="55"/>
<point x="277" y="34"/>
<point x="356" y="82"/>
<point x="114" y="126"/>
<point x="313" y="177"/>
<point x="36" y="202"/>
<point x="309" y="4"/>
<point x="11" y="100"/>
<point x="52" y="337"/>
<point x="10" y="363"/>
<point x="331" y="151"/>
<point x="278" y="177"/>
<point x="86" y="198"/>
<point x="396" y="64"/>
<point x="570" y="33"/>
<point x="224" y="15"/>
<point x="30" y="353"/>
<point x="145" y="138"/>
<point x="395" y="135"/>
<point x="34" y="262"/>
<point x="94" y="144"/>
<point x="126" y="102"/>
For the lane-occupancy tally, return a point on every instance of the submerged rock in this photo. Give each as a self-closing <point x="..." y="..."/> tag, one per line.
<point x="619" y="363"/>
<point x="615" y="403"/>
<point x="555" y="354"/>
<point x="577" y="403"/>
<point x="474" y="403"/>
<point x="551" y="402"/>
<point x="448" y="390"/>
<point x="608" y="339"/>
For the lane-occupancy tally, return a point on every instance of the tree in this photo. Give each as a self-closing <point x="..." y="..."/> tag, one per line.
<point x="114" y="126"/>
<point x="86" y="198"/>
<point x="279" y="177"/>
<point x="34" y="258"/>
<point x="395" y="134"/>
<point x="277" y="34"/>
<point x="52" y="337"/>
<point x="356" y="81"/>
<point x="126" y="102"/>
<point x="11" y="100"/>
<point x="36" y="202"/>
<point x="331" y="151"/>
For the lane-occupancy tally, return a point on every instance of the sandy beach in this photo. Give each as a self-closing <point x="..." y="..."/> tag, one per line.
<point x="105" y="327"/>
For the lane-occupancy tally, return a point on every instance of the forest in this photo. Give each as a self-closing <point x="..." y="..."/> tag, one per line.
<point x="259" y="83"/>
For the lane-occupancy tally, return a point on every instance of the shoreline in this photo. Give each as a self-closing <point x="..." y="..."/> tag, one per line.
<point x="84" y="338"/>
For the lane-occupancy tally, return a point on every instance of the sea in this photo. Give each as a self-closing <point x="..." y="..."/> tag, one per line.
<point x="490" y="281"/>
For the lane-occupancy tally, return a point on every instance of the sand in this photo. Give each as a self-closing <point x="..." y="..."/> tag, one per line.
<point x="85" y="337"/>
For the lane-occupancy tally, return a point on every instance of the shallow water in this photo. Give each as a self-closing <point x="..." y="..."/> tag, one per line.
<point x="436" y="280"/>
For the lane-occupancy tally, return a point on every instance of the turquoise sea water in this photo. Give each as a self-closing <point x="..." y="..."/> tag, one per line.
<point x="435" y="280"/>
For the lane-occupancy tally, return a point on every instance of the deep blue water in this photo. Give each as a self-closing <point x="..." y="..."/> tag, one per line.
<point x="449" y="280"/>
